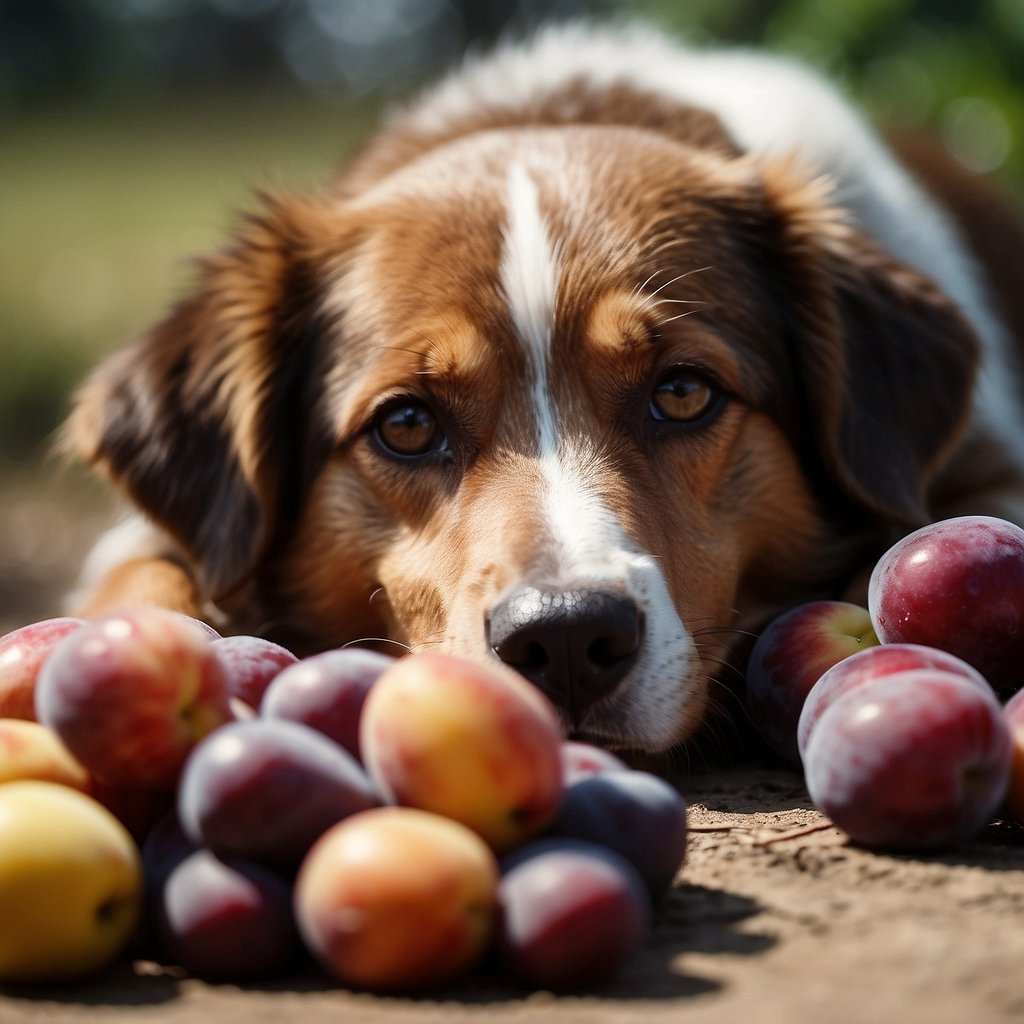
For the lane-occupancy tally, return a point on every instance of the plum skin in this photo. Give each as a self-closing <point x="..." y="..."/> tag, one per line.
<point x="915" y="760"/>
<point x="571" y="913"/>
<point x="957" y="585"/>
<point x="266" y="789"/>
<point x="226" y="918"/>
<point x="636" y="814"/>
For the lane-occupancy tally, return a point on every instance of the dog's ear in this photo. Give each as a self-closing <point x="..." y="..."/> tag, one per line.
<point x="209" y="421"/>
<point x="884" y="361"/>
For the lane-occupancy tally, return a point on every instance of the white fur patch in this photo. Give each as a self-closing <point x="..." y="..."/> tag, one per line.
<point x="529" y="279"/>
<point x="585" y="544"/>
<point x="589" y="549"/>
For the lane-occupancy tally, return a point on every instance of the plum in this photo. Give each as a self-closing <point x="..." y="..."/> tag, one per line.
<point x="327" y="692"/>
<point x="874" y="663"/>
<point x="580" y="760"/>
<point x="267" y="789"/>
<point x="250" y="663"/>
<point x="163" y="849"/>
<point x="636" y="814"/>
<point x="1014" y="715"/>
<point x="916" y="760"/>
<point x="957" y="585"/>
<point x="225" y="919"/>
<point x="22" y="655"/>
<point x="571" y="913"/>
<point x="130" y="694"/>
<point x="791" y="655"/>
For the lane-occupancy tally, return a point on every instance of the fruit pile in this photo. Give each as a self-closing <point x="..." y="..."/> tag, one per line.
<point x="398" y="821"/>
<point x="896" y="710"/>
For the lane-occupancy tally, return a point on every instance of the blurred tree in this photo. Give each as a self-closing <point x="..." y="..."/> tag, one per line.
<point x="958" y="67"/>
<point x="955" y="67"/>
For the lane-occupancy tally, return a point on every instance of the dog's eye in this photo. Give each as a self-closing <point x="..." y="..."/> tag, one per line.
<point x="408" y="429"/>
<point x="683" y="396"/>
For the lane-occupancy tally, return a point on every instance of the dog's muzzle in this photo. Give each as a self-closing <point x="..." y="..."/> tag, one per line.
<point x="574" y="645"/>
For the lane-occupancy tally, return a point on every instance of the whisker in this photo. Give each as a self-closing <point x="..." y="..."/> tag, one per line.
<point x="667" y="284"/>
<point x="640" y="287"/>
<point x="672" y="319"/>
<point x="376" y="640"/>
<point x="735" y="630"/>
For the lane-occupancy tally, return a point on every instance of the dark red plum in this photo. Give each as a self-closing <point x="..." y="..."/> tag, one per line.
<point x="1014" y="716"/>
<point x="226" y="919"/>
<point x="571" y="914"/>
<point x="790" y="656"/>
<point x="874" y="663"/>
<point x="251" y="663"/>
<point x="326" y="692"/>
<point x="957" y="585"/>
<point x="267" y="789"/>
<point x="164" y="848"/>
<point x="916" y="760"/>
<point x="634" y="813"/>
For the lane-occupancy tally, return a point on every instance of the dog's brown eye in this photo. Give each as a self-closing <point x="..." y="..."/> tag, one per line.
<point x="408" y="429"/>
<point x="683" y="396"/>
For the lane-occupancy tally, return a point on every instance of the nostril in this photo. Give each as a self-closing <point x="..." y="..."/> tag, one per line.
<point x="620" y="640"/>
<point x="600" y="654"/>
<point x="575" y="645"/>
<point x="533" y="659"/>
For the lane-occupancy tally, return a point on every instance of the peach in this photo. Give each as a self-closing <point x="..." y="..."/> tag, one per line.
<point x="70" y="884"/>
<point x="476" y="746"/>
<point x="29" y="750"/>
<point x="397" y="898"/>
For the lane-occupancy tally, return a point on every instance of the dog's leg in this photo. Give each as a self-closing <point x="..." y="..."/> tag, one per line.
<point x="152" y="581"/>
<point x="134" y="563"/>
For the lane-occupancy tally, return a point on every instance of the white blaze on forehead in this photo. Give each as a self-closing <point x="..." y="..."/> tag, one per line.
<point x="584" y="544"/>
<point x="529" y="280"/>
<point x="585" y="534"/>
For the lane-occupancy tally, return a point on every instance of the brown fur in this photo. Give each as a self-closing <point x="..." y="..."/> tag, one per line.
<point x="239" y="424"/>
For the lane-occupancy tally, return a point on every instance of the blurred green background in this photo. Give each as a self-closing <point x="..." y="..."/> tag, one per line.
<point x="130" y="130"/>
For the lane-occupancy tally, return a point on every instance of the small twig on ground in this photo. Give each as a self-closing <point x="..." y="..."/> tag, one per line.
<point x="748" y="837"/>
<point x="719" y="828"/>
<point x="793" y="833"/>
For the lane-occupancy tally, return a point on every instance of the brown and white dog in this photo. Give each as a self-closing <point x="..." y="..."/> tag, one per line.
<point x="601" y="351"/>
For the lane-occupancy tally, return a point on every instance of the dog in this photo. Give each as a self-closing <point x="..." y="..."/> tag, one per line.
<point x="600" y="353"/>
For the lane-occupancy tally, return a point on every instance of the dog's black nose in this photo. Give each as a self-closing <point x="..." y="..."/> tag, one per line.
<point x="574" y="645"/>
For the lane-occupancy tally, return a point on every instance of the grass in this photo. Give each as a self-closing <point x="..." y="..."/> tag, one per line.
<point x="103" y="203"/>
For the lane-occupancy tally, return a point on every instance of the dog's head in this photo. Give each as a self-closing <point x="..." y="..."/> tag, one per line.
<point x="582" y="399"/>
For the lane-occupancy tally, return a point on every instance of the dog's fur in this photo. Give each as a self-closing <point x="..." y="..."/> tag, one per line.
<point x="680" y="339"/>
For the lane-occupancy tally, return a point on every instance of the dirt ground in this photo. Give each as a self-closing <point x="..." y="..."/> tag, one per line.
<point x="769" y="920"/>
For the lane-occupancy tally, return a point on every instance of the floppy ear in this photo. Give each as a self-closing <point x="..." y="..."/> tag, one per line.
<point x="208" y="422"/>
<point x="884" y="360"/>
